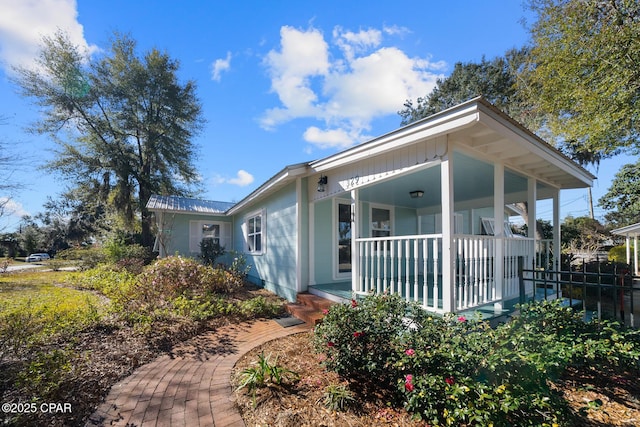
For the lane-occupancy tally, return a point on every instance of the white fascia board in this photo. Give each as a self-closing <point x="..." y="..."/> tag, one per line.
<point x="440" y="124"/>
<point x="629" y="230"/>
<point x="278" y="180"/>
<point x="534" y="144"/>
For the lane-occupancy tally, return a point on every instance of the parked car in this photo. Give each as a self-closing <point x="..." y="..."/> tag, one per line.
<point x="38" y="257"/>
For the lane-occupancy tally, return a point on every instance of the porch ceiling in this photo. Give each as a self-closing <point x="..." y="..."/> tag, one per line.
<point x="473" y="181"/>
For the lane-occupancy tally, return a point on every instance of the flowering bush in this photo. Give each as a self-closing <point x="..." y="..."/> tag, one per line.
<point x="456" y="370"/>
<point x="171" y="277"/>
<point x="363" y="339"/>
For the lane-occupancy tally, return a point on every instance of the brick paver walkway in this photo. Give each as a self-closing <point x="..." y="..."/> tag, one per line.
<point x="191" y="386"/>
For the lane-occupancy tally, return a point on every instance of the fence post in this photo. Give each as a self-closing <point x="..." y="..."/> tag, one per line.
<point x="521" y="279"/>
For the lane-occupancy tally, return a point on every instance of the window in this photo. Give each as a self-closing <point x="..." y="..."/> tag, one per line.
<point x="380" y="222"/>
<point x="220" y="232"/>
<point x="488" y="227"/>
<point x="254" y="233"/>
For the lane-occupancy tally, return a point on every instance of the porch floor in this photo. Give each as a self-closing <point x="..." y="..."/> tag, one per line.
<point x="341" y="291"/>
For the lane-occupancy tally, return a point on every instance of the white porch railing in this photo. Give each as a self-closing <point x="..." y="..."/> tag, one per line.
<point x="411" y="267"/>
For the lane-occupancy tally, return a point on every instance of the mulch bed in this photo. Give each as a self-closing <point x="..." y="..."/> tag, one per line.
<point x="301" y="404"/>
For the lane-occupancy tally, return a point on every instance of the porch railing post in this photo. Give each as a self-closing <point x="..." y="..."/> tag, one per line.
<point x="355" y="246"/>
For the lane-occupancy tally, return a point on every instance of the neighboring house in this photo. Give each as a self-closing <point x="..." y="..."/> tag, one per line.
<point x="412" y="212"/>
<point x="628" y="232"/>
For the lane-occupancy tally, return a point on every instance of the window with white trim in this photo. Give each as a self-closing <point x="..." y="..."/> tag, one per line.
<point x="488" y="227"/>
<point x="254" y="232"/>
<point x="219" y="232"/>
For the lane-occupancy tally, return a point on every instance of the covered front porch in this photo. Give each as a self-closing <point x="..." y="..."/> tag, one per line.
<point x="425" y="213"/>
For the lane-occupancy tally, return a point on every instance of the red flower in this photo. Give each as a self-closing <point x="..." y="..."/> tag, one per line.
<point x="330" y="344"/>
<point x="449" y="380"/>
<point x="408" y="382"/>
<point x="354" y="303"/>
<point x="410" y="352"/>
<point x="358" y="334"/>
<point x="462" y="319"/>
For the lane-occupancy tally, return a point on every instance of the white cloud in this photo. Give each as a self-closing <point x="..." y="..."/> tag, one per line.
<point x="219" y="66"/>
<point x="10" y="207"/>
<point x="242" y="179"/>
<point x="23" y="23"/>
<point x="345" y="85"/>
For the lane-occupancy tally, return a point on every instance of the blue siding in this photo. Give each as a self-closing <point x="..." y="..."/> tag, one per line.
<point x="178" y="242"/>
<point x="276" y="267"/>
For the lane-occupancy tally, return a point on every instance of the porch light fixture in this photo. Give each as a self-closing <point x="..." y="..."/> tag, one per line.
<point x="416" y="194"/>
<point x="321" y="183"/>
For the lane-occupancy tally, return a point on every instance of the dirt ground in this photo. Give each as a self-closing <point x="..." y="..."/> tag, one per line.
<point x="301" y="404"/>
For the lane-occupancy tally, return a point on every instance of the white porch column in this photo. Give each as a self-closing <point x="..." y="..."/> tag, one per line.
<point x="628" y="249"/>
<point x="355" y="233"/>
<point x="532" y="197"/>
<point x="448" y="250"/>
<point x="498" y="212"/>
<point x="556" y="230"/>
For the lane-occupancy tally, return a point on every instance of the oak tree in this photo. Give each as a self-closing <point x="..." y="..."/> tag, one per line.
<point x="124" y="123"/>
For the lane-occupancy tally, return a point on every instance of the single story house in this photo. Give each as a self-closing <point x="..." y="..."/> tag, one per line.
<point x="629" y="232"/>
<point x="416" y="212"/>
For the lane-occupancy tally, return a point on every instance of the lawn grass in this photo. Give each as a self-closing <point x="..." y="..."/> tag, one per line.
<point x="49" y="307"/>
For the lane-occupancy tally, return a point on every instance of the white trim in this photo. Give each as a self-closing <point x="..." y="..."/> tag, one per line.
<point x="299" y="241"/>
<point x="312" y="244"/>
<point x="380" y="206"/>
<point x="262" y="213"/>
<point x="335" y="255"/>
<point x="196" y="234"/>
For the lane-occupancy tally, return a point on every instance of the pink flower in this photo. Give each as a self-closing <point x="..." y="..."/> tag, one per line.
<point x="410" y="352"/>
<point x="354" y="303"/>
<point x="449" y="380"/>
<point x="330" y="344"/>
<point x="325" y="311"/>
<point x="462" y="319"/>
<point x="358" y="334"/>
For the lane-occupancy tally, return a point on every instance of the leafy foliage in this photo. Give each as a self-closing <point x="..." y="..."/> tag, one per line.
<point x="453" y="370"/>
<point x="623" y="197"/>
<point x="494" y="79"/>
<point x="210" y="251"/>
<point x="131" y="123"/>
<point x="264" y="373"/>
<point x="584" y="71"/>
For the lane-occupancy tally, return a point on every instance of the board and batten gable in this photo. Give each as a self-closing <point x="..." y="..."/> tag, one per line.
<point x="275" y="265"/>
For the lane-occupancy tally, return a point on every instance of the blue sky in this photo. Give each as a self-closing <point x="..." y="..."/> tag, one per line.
<point x="280" y="82"/>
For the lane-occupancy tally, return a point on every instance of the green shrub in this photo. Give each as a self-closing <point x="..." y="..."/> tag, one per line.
<point x="263" y="373"/>
<point x="114" y="283"/>
<point x="203" y="308"/>
<point x="337" y="397"/>
<point x="452" y="370"/>
<point x="85" y="258"/>
<point x="361" y="339"/>
<point x="259" y="307"/>
<point x="618" y="253"/>
<point x="210" y="250"/>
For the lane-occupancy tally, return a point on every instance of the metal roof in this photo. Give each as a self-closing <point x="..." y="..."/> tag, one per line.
<point x="187" y="205"/>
